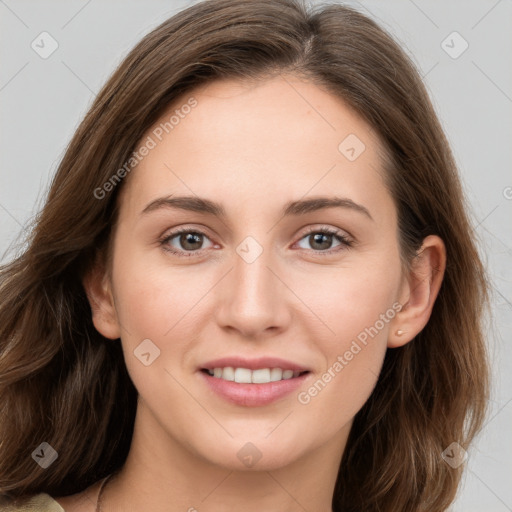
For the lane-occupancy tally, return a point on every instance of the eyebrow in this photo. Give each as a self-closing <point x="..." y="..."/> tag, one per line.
<point x="292" y="208"/>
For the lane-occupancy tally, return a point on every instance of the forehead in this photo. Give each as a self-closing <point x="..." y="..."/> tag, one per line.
<point x="252" y="140"/>
<point x="279" y="114"/>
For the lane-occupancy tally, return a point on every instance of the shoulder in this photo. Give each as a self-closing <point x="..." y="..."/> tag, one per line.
<point x="41" y="502"/>
<point x="83" y="501"/>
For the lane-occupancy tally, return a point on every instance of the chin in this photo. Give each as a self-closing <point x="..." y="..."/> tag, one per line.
<point x="255" y="454"/>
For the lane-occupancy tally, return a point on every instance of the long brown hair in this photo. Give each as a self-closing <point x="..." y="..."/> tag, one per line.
<point x="63" y="383"/>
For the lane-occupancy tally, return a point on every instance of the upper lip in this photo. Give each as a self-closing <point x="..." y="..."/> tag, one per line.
<point x="253" y="364"/>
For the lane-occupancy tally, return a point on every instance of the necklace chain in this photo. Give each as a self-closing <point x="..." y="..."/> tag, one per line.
<point x="102" y="488"/>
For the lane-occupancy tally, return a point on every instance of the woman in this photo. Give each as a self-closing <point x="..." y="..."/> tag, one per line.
<point x="253" y="283"/>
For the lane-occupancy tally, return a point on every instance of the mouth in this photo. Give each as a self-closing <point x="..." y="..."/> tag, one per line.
<point x="255" y="382"/>
<point x="257" y="376"/>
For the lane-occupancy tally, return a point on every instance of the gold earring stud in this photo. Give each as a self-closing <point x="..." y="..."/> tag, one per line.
<point x="399" y="332"/>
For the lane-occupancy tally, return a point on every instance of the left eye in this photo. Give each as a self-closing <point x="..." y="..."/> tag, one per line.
<point x="322" y="239"/>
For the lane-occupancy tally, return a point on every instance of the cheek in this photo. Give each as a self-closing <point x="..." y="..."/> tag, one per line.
<point x="335" y="396"/>
<point x="354" y="298"/>
<point x="157" y="318"/>
<point x="152" y="298"/>
<point x="356" y="307"/>
<point x="164" y="305"/>
<point x="353" y="360"/>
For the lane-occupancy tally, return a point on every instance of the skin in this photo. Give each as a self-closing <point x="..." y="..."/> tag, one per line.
<point x="253" y="147"/>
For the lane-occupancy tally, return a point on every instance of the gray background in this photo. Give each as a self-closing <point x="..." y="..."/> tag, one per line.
<point x="43" y="100"/>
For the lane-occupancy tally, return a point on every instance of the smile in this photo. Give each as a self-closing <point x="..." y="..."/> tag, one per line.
<point x="248" y="376"/>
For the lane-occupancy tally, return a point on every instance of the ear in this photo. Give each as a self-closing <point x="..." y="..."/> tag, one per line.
<point x="98" y="288"/>
<point x="419" y="291"/>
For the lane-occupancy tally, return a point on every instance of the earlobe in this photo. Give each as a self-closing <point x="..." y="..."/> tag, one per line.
<point x="98" y="289"/>
<point x="419" y="291"/>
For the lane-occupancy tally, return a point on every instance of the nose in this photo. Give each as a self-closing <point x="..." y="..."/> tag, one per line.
<point x="253" y="298"/>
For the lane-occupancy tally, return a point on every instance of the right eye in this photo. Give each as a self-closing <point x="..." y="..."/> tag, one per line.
<point x="189" y="240"/>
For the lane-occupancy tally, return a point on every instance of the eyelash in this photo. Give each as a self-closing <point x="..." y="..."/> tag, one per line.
<point x="344" y="240"/>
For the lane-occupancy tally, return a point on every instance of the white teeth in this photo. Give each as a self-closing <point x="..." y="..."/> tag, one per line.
<point x="228" y="373"/>
<point x="247" y="376"/>
<point x="261" y="376"/>
<point x="287" y="374"/>
<point x="276" y="374"/>
<point x="243" y="375"/>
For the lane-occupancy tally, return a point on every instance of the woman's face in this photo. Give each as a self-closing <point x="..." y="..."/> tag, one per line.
<point x="254" y="285"/>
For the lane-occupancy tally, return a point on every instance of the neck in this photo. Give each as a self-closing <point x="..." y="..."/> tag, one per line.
<point x="160" y="474"/>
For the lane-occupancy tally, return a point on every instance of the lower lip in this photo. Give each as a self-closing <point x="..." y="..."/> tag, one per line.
<point x="253" y="395"/>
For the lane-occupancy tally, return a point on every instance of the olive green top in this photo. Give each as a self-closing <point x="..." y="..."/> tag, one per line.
<point x="41" y="502"/>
